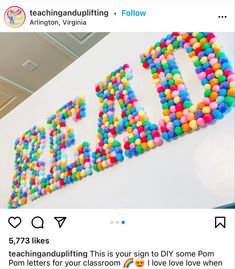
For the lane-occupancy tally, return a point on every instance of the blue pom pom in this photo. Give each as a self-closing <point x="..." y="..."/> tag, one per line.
<point x="217" y="114"/>
<point x="165" y="136"/>
<point x="119" y="157"/>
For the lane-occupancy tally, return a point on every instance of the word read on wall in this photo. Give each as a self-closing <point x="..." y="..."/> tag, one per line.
<point x="180" y="116"/>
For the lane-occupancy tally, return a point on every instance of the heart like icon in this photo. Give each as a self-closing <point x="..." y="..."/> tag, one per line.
<point x="14" y="221"/>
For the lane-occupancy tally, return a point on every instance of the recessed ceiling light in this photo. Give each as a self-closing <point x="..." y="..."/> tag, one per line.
<point x="29" y="65"/>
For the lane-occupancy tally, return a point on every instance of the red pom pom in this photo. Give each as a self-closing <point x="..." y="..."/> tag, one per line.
<point x="123" y="114"/>
<point x="110" y="98"/>
<point x="160" y="69"/>
<point x="160" y="89"/>
<point x="208" y="118"/>
<point x="209" y="71"/>
<point x="140" y="129"/>
<point x="145" y="65"/>
<point x="127" y="145"/>
<point x="198" y="50"/>
<point x="144" y="139"/>
<point x="188" y="38"/>
<point x="163" y="129"/>
<point x="210" y="36"/>
<point x="173" y="88"/>
<point x="179" y="107"/>
<point x="113" y="131"/>
<point x="113" y="160"/>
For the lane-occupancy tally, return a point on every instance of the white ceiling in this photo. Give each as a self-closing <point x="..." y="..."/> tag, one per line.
<point x="52" y="52"/>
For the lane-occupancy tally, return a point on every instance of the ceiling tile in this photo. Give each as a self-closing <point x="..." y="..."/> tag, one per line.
<point x="52" y="52"/>
<point x="19" y="47"/>
<point x="81" y="36"/>
<point x="77" y="43"/>
<point x="10" y="97"/>
<point x="4" y="99"/>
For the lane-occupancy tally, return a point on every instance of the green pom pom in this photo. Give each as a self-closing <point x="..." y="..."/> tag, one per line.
<point x="157" y="44"/>
<point x="175" y="71"/>
<point x="165" y="106"/>
<point x="178" y="130"/>
<point x="199" y="36"/>
<point x="229" y="100"/>
<point x="153" y="70"/>
<point x="197" y="63"/>
<point x="220" y="54"/>
<point x="95" y="167"/>
<point x="139" y="149"/>
<point x="85" y="144"/>
<point x="206" y="46"/>
<point x="116" y="143"/>
<point x="171" y="82"/>
<point x="222" y="78"/>
<point x="207" y="93"/>
<point x="143" y="59"/>
<point x="175" y="44"/>
<point x="132" y="140"/>
<point x="187" y="104"/>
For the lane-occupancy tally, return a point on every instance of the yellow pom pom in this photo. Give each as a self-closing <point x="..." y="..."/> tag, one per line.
<point x="194" y="58"/>
<point x="193" y="124"/>
<point x="207" y="87"/>
<point x="104" y="164"/>
<point x="110" y="140"/>
<point x="203" y="60"/>
<point x="170" y="47"/>
<point x="151" y="144"/>
<point x="166" y="119"/>
<point x="196" y="45"/>
<point x="193" y="108"/>
<point x="206" y="110"/>
<point x="167" y="91"/>
<point x="177" y="99"/>
<point x="232" y="84"/>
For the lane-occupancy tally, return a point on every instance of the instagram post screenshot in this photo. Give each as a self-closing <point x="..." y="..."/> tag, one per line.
<point x="117" y="134"/>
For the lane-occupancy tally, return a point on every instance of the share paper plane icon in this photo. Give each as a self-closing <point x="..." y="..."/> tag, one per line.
<point x="60" y="220"/>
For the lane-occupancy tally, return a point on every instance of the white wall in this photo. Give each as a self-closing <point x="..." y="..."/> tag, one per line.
<point x="194" y="171"/>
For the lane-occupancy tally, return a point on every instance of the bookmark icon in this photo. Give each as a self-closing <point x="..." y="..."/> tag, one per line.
<point x="60" y="220"/>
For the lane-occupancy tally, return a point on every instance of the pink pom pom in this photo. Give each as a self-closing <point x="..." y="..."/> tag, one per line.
<point x="170" y="126"/>
<point x="213" y="105"/>
<point x="200" y="122"/>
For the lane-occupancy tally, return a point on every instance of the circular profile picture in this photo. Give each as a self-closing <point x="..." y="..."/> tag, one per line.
<point x="14" y="16"/>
